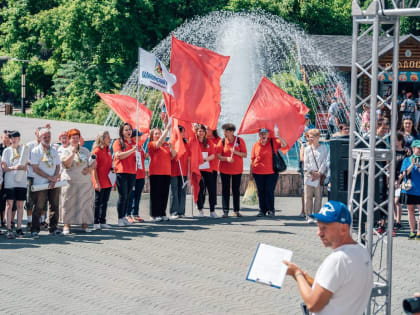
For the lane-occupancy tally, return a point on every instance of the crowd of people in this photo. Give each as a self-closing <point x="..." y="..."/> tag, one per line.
<point x="407" y="183"/>
<point x="65" y="182"/>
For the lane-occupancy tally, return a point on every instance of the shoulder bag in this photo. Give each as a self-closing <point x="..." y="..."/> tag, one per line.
<point x="279" y="165"/>
<point x="323" y="176"/>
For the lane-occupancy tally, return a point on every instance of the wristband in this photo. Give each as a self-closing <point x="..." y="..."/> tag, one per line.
<point x="299" y="274"/>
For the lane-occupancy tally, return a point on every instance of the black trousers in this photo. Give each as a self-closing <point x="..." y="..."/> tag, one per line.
<point x="101" y="205"/>
<point x="159" y="193"/>
<point x="207" y="181"/>
<point x="135" y="197"/>
<point x="236" y="185"/>
<point x="266" y="184"/>
<point x="125" y="184"/>
<point x="52" y="196"/>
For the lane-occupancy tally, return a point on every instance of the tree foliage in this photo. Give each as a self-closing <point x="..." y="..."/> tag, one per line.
<point x="77" y="47"/>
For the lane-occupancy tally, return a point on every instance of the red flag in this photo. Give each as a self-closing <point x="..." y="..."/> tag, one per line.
<point x="196" y="159"/>
<point x="176" y="139"/>
<point x="125" y="107"/>
<point x="272" y="106"/>
<point x="197" y="90"/>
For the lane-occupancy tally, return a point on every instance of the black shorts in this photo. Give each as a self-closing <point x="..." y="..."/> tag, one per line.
<point x="409" y="199"/>
<point x="17" y="193"/>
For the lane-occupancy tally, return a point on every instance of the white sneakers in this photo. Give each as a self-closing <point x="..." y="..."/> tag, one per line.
<point x="105" y="226"/>
<point x="174" y="217"/>
<point x="200" y="214"/>
<point x="156" y="219"/>
<point x="310" y="220"/>
<point x="165" y="218"/>
<point x="97" y="226"/>
<point x="213" y="215"/>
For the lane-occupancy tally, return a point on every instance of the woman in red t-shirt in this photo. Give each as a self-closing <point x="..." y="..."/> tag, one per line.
<point x="230" y="152"/>
<point x="132" y="214"/>
<point x="179" y="172"/>
<point x="100" y="178"/>
<point x="207" y="177"/>
<point x="161" y="153"/>
<point x="213" y="137"/>
<point x="125" y="168"/>
<point x="262" y="170"/>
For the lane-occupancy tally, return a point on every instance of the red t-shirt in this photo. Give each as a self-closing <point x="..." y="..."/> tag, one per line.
<point x="141" y="173"/>
<point x="214" y="164"/>
<point x="210" y="150"/>
<point x="103" y="166"/>
<point x="175" y="171"/>
<point x="237" y="166"/>
<point x="262" y="157"/>
<point x="160" y="159"/>
<point x="127" y="165"/>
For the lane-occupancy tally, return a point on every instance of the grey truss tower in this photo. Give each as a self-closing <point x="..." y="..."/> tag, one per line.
<point x="371" y="156"/>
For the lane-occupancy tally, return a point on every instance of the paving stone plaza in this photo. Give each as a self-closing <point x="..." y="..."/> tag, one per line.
<point x="186" y="266"/>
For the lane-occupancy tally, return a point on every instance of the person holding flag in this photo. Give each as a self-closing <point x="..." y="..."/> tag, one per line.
<point x="179" y="171"/>
<point x="125" y="167"/>
<point x="207" y="177"/>
<point x="161" y="153"/>
<point x="231" y="152"/>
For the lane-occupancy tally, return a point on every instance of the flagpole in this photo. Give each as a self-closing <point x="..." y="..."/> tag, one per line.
<point x="137" y="107"/>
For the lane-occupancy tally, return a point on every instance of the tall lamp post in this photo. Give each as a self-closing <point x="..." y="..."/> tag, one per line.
<point x="23" y="79"/>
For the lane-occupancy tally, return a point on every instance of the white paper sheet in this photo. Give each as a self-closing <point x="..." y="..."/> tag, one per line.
<point x="205" y="165"/>
<point x="112" y="178"/>
<point x="267" y="266"/>
<point x="138" y="160"/>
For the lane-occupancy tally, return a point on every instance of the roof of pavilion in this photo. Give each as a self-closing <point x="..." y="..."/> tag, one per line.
<point x="338" y="48"/>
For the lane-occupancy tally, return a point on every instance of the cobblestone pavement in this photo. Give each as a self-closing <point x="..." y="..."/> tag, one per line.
<point x="186" y="266"/>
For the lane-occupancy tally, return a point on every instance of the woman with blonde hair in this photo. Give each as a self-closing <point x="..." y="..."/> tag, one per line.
<point x="100" y="178"/>
<point x="315" y="166"/>
<point x="78" y="196"/>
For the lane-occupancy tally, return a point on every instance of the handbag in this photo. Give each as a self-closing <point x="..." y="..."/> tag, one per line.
<point x="323" y="177"/>
<point x="406" y="183"/>
<point x="279" y="165"/>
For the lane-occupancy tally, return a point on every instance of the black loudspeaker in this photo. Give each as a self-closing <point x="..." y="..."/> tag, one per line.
<point x="339" y="163"/>
<point x="339" y="166"/>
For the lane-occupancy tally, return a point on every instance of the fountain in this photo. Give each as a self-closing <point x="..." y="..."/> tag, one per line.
<point x="259" y="44"/>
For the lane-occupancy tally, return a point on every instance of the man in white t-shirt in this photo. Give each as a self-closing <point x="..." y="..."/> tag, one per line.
<point x="344" y="281"/>
<point x="46" y="166"/>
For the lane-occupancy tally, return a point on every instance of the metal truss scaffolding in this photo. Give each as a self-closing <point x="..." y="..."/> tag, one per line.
<point x="372" y="156"/>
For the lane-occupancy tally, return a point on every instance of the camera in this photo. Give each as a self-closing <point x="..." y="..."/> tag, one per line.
<point x="411" y="305"/>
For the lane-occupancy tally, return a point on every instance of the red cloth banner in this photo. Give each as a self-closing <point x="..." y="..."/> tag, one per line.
<point x="197" y="90"/>
<point x="272" y="106"/>
<point x="195" y="161"/>
<point x="176" y="139"/>
<point x="125" y="108"/>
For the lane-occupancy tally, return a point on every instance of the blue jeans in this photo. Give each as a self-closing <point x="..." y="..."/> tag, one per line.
<point x="135" y="197"/>
<point x="177" y="199"/>
<point x="266" y="184"/>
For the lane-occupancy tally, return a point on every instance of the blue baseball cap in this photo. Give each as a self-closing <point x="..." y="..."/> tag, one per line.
<point x="333" y="211"/>
<point x="263" y="130"/>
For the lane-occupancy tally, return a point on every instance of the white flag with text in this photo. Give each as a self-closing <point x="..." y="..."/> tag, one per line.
<point x="153" y="73"/>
